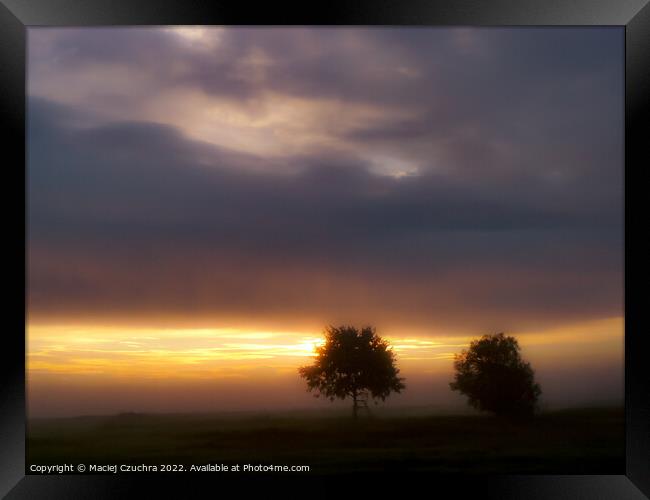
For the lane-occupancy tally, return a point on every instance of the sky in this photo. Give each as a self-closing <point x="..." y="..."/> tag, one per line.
<point x="203" y="201"/>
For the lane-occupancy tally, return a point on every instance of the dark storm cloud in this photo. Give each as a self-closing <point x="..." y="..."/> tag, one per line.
<point x="514" y="214"/>
<point x="128" y="215"/>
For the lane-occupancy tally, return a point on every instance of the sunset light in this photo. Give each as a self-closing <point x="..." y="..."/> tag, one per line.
<point x="204" y="353"/>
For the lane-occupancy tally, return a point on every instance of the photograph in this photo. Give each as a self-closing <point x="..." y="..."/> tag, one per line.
<point x="322" y="250"/>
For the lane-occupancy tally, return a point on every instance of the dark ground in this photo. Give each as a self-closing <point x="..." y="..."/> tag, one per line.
<point x="584" y="441"/>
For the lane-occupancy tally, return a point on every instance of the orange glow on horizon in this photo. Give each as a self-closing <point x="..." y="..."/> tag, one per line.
<point x="204" y="353"/>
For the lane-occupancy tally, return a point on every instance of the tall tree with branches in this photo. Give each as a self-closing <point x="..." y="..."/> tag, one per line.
<point x="352" y="363"/>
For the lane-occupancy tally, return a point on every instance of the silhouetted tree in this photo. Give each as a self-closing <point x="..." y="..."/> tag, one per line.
<point x="493" y="376"/>
<point x="352" y="363"/>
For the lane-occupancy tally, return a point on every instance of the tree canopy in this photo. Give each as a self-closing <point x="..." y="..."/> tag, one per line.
<point x="353" y="363"/>
<point x="493" y="376"/>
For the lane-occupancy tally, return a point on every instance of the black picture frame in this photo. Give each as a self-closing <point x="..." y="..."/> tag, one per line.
<point x="633" y="15"/>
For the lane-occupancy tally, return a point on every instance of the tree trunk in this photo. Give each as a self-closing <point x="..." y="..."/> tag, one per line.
<point x="355" y="406"/>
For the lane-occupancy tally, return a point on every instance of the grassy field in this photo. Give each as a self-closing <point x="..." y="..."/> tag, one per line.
<point x="586" y="441"/>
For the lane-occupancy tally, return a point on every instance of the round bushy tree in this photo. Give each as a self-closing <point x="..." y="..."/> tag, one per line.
<point x="493" y="376"/>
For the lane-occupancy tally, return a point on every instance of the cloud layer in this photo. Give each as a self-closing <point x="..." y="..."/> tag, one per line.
<point x="420" y="178"/>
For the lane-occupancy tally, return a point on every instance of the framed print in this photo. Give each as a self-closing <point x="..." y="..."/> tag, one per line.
<point x="386" y="244"/>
